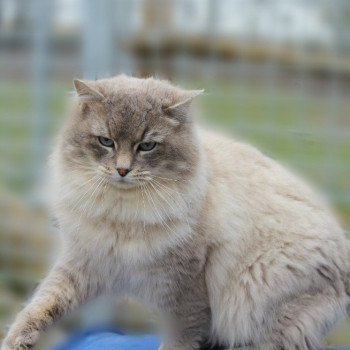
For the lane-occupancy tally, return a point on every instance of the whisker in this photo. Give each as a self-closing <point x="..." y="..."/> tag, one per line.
<point x="171" y="220"/>
<point x="101" y="184"/>
<point x="161" y="196"/>
<point x="168" y="188"/>
<point x="142" y="178"/>
<point x="144" y="208"/>
<point x="85" y="208"/>
<point x="81" y="198"/>
<point x="138" y="204"/>
<point x="162" y="221"/>
<point x="79" y="186"/>
<point x="171" y="206"/>
<point x="146" y="172"/>
<point x="169" y="179"/>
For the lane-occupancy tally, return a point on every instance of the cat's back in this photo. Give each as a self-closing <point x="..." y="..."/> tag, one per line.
<point x="257" y="193"/>
<point x="273" y="237"/>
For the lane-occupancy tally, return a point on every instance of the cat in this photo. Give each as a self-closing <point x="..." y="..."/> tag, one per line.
<point x="228" y="245"/>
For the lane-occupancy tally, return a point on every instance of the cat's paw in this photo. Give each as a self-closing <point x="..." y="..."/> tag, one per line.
<point x="20" y="342"/>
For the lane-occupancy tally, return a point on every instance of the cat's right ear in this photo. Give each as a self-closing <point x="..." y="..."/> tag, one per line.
<point x="179" y="110"/>
<point x="86" y="92"/>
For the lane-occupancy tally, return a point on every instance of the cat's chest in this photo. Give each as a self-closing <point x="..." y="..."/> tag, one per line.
<point x="136" y="265"/>
<point x="138" y="260"/>
<point x="132" y="245"/>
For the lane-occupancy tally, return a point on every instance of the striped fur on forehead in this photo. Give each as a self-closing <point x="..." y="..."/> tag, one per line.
<point x="130" y="96"/>
<point x="134" y="109"/>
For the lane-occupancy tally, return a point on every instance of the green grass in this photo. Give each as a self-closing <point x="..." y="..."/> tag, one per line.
<point x="17" y="133"/>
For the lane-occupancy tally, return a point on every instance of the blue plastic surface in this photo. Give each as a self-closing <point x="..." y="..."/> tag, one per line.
<point x="109" y="340"/>
<point x="115" y="340"/>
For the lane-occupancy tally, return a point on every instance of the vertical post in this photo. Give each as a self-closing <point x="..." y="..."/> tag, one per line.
<point x="302" y="119"/>
<point x="42" y="10"/>
<point x="211" y="33"/>
<point x="98" y="39"/>
<point x="123" y="62"/>
<point x="334" y="100"/>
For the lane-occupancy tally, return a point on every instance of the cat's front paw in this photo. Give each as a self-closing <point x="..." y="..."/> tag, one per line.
<point x="20" y="342"/>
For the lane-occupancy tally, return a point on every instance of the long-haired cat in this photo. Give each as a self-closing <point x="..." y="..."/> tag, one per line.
<point x="227" y="244"/>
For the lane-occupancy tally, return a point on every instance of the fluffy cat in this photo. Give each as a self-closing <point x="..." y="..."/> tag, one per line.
<point x="225" y="242"/>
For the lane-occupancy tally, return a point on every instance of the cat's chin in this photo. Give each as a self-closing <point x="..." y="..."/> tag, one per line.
<point x="123" y="185"/>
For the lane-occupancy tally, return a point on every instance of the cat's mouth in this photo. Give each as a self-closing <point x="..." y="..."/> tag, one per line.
<point x="128" y="182"/>
<point x="122" y="182"/>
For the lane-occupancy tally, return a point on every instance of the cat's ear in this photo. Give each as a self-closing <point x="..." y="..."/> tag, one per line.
<point x="86" y="92"/>
<point x="180" y="109"/>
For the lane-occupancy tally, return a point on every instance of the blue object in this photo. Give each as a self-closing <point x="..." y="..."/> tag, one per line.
<point x="109" y="340"/>
<point x="104" y="339"/>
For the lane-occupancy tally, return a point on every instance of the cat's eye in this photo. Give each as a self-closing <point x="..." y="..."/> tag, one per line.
<point x="106" y="141"/>
<point x="146" y="146"/>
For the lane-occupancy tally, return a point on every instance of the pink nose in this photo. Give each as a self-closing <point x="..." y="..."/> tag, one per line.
<point x="122" y="171"/>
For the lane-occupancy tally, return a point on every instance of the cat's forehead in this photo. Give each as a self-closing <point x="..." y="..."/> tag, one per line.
<point x="131" y="104"/>
<point x="130" y="108"/>
<point x="132" y="116"/>
<point x="127" y="105"/>
<point x="132" y="93"/>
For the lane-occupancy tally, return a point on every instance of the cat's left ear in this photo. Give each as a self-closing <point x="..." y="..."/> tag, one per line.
<point x="179" y="110"/>
<point x="86" y="92"/>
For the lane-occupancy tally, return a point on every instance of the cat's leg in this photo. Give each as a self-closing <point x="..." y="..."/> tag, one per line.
<point x="62" y="291"/>
<point x="301" y="324"/>
<point x="190" y="319"/>
<point x="190" y="331"/>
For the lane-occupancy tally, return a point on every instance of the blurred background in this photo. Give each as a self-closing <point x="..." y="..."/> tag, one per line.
<point x="276" y="73"/>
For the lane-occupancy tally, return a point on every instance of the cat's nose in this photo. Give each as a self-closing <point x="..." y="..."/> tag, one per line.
<point x="122" y="171"/>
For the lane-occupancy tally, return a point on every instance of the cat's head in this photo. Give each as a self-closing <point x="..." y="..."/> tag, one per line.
<point x="130" y="131"/>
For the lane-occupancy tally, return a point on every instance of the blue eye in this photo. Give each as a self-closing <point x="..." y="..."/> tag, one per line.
<point x="146" y="146"/>
<point x="105" y="141"/>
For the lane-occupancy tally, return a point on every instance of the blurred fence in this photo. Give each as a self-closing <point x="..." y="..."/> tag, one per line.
<point x="276" y="73"/>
